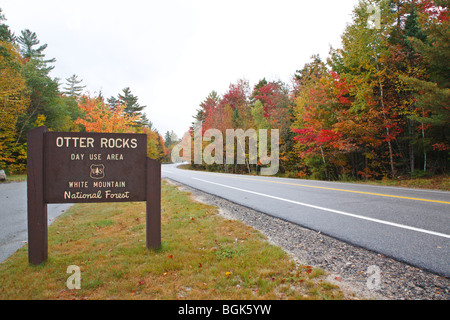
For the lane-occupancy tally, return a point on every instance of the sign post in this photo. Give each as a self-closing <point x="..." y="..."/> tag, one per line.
<point x="153" y="227"/>
<point x="80" y="167"/>
<point x="37" y="208"/>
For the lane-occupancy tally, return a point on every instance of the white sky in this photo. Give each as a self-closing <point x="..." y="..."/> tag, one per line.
<point x="172" y="54"/>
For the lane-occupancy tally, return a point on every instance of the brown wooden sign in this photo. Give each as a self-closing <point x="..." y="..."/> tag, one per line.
<point x="68" y="167"/>
<point x="94" y="167"/>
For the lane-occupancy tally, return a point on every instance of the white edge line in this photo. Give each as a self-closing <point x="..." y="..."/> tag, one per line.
<point x="334" y="211"/>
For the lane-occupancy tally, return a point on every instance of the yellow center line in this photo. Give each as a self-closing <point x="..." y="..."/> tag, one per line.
<point x="335" y="189"/>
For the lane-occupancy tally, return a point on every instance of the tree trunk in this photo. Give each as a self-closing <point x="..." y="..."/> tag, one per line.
<point x="325" y="163"/>
<point x="411" y="145"/>
<point x="423" y="142"/>
<point x="391" y="158"/>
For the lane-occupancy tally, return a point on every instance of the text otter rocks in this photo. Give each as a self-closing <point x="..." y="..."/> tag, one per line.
<point x="95" y="167"/>
<point x="66" y="167"/>
<point x="88" y="142"/>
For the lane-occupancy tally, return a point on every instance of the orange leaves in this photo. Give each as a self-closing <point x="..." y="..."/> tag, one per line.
<point x="307" y="269"/>
<point x="155" y="144"/>
<point x="441" y="146"/>
<point x="100" y="118"/>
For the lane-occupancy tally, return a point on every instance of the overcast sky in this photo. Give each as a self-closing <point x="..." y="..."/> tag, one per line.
<point x="172" y="54"/>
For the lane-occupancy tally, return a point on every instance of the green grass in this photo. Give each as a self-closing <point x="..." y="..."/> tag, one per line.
<point x="15" y="178"/>
<point x="441" y="182"/>
<point x="420" y="181"/>
<point x="203" y="256"/>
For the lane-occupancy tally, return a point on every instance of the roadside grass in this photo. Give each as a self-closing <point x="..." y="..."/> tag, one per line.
<point x="16" y="178"/>
<point x="203" y="257"/>
<point x="440" y="182"/>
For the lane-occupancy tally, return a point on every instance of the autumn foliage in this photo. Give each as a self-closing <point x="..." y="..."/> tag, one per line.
<point x="377" y="107"/>
<point x="30" y="98"/>
<point x="13" y="104"/>
<point x="99" y="117"/>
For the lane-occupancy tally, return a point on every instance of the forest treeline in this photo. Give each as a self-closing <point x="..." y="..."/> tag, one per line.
<point x="377" y="107"/>
<point x="30" y="97"/>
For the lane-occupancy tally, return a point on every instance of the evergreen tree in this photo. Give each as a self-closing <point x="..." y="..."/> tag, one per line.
<point x="144" y="121"/>
<point x="5" y="33"/>
<point x="430" y="39"/>
<point x="43" y="90"/>
<point x="27" y="41"/>
<point x="132" y="106"/>
<point x="167" y="139"/>
<point x="131" y="101"/>
<point x="112" y="102"/>
<point x="73" y="89"/>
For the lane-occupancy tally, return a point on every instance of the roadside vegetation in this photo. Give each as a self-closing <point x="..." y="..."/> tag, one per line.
<point x="376" y="108"/>
<point x="15" y="178"/>
<point x="203" y="256"/>
<point x="30" y="97"/>
<point x="437" y="182"/>
<point x="440" y="182"/>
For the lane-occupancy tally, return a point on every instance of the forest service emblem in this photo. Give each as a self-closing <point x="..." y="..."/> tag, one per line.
<point x="97" y="171"/>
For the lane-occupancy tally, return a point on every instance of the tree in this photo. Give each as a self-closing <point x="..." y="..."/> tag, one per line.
<point x="364" y="54"/>
<point x="207" y="109"/>
<point x="237" y="94"/>
<point x="316" y="110"/>
<point x="73" y="89"/>
<point x="14" y="100"/>
<point x="27" y="41"/>
<point x="42" y="89"/>
<point x="112" y="102"/>
<point x="131" y="102"/>
<point x="132" y="106"/>
<point x="5" y="33"/>
<point x="100" y="118"/>
<point x="431" y="87"/>
<point x="313" y="70"/>
<point x="167" y="139"/>
<point x="170" y="138"/>
<point x="62" y="113"/>
<point x="275" y="100"/>
<point x="258" y="114"/>
<point x="13" y="104"/>
<point x="155" y="145"/>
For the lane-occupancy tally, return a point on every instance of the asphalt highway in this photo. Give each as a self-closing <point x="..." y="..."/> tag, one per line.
<point x="409" y="225"/>
<point x="13" y="217"/>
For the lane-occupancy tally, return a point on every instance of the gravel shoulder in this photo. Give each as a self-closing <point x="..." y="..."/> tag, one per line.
<point x="357" y="271"/>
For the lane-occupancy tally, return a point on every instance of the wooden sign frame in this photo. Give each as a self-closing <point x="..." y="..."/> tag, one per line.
<point x="49" y="175"/>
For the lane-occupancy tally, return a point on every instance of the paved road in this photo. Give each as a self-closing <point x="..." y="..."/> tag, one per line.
<point x="409" y="225"/>
<point x="13" y="217"/>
